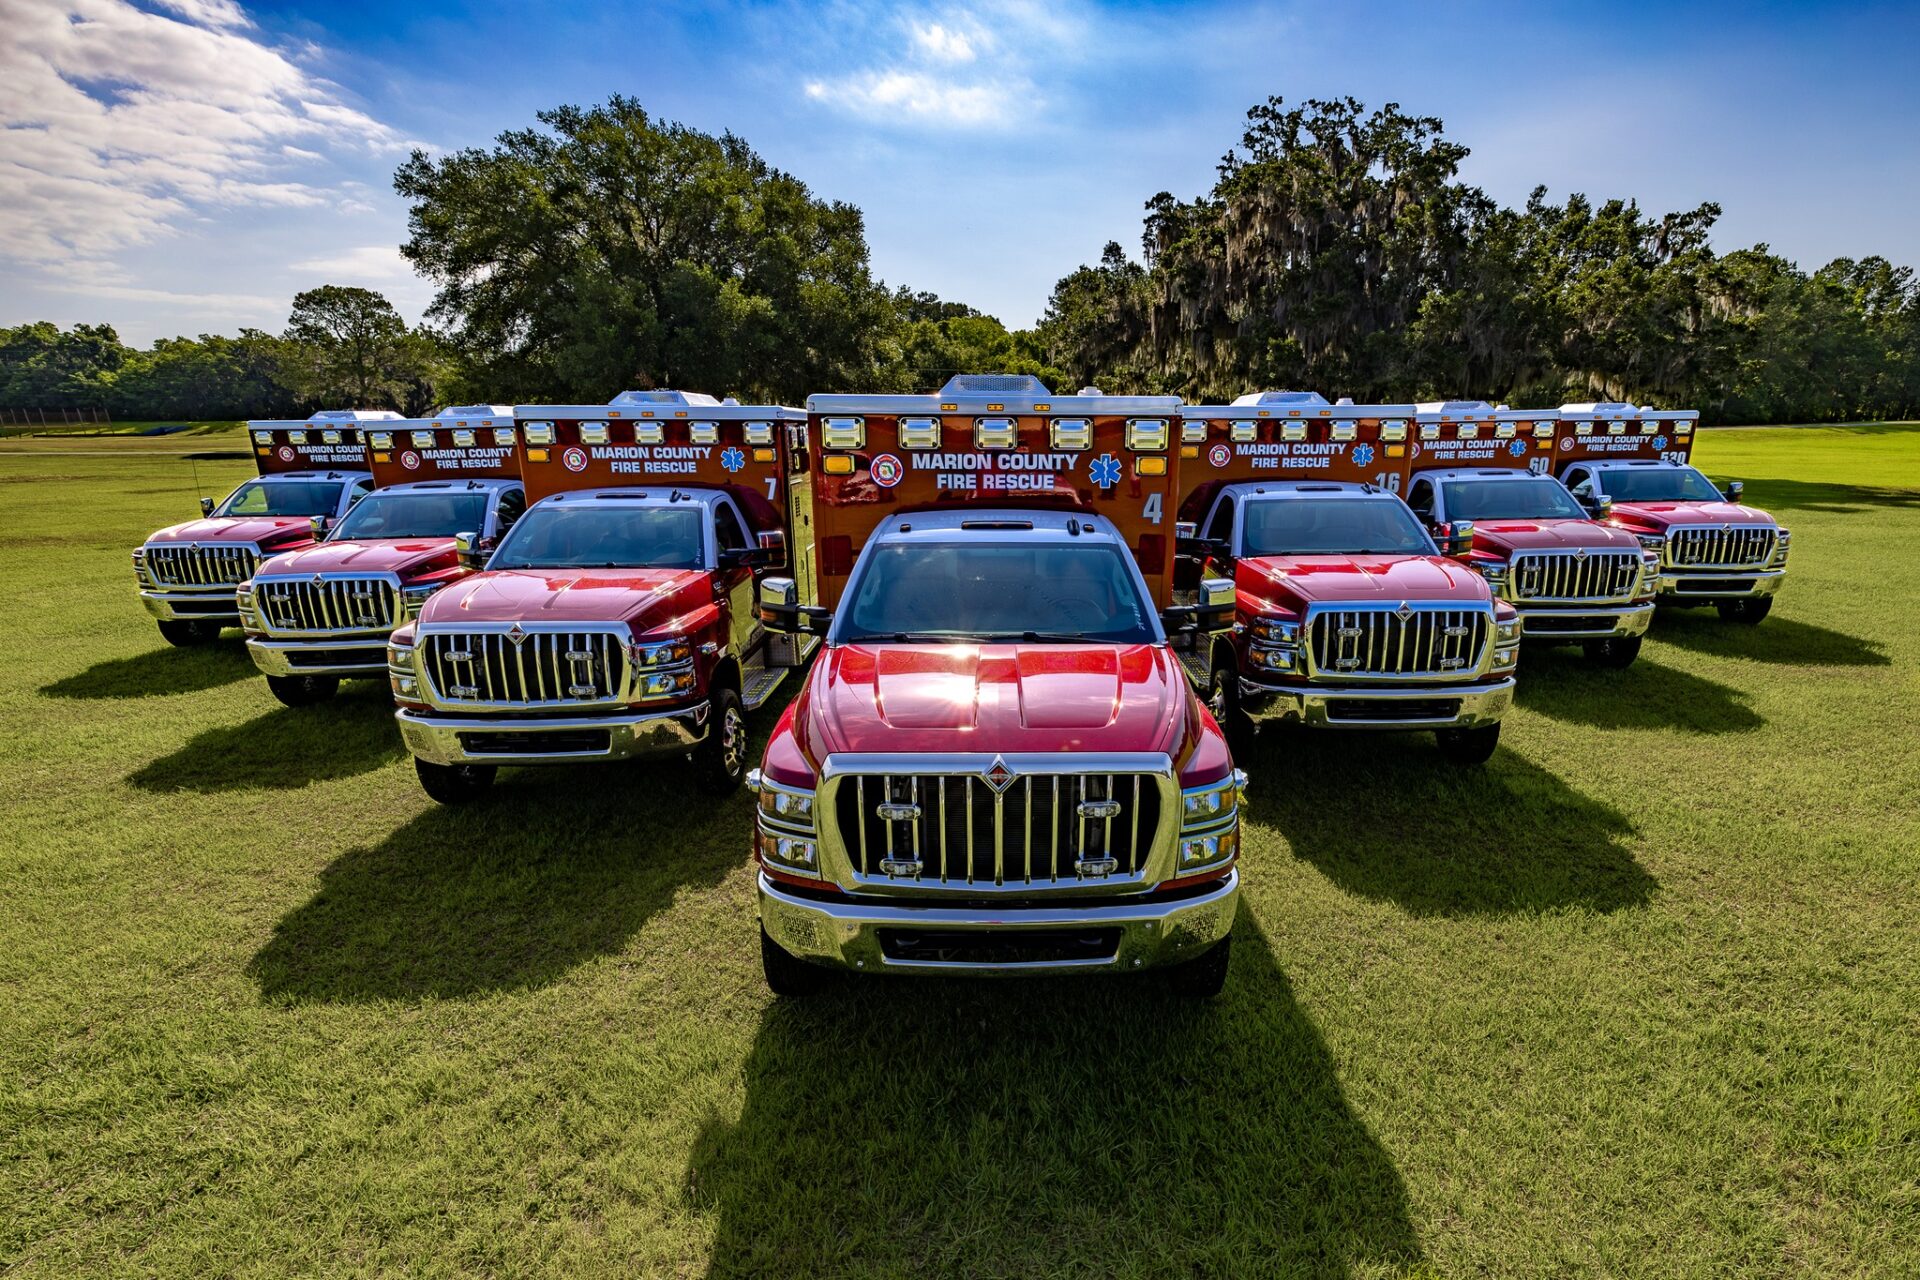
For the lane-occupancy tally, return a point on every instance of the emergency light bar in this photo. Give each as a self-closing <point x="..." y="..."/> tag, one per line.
<point x="919" y="433"/>
<point x="1071" y="433"/>
<point x="758" y="432"/>
<point x="843" y="433"/>
<point x="995" y="433"/>
<point x="704" y="433"/>
<point x="1147" y="435"/>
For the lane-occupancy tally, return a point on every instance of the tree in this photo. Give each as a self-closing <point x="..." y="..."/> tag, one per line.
<point x="348" y="347"/>
<point x="45" y="367"/>
<point x="608" y="250"/>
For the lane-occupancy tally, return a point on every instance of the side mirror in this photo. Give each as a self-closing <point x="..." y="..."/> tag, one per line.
<point x="317" y="526"/>
<point x="469" y="550"/>
<point x="1216" y="608"/>
<point x="206" y="506"/>
<point x="1602" y="507"/>
<point x="774" y="543"/>
<point x="1734" y="489"/>
<point x="1186" y="529"/>
<point x="753" y="557"/>
<point x="781" y="610"/>
<point x="1459" y="537"/>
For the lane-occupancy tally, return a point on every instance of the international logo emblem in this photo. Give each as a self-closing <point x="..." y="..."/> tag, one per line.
<point x="1105" y="471"/>
<point x="732" y="459"/>
<point x="574" y="458"/>
<point x="1404" y="612"/>
<point x="517" y="634"/>
<point x="1580" y="553"/>
<point x="887" y="470"/>
<point x="998" y="776"/>
<point x="1220" y="455"/>
<point x="1362" y="455"/>
<point x="410" y="460"/>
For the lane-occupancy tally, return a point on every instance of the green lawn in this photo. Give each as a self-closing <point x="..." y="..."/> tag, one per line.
<point x="1642" y="997"/>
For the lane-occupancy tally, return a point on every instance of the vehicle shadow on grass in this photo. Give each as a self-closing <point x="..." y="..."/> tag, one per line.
<point x="1384" y="816"/>
<point x="288" y="747"/>
<point x="1777" y="640"/>
<point x="1063" y="1126"/>
<point x="1562" y="684"/>
<point x="506" y="893"/>
<point x="1837" y="499"/>
<point x="158" y="671"/>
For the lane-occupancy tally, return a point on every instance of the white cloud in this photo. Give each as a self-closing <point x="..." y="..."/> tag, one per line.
<point x="118" y="123"/>
<point x="974" y="67"/>
<point x="363" y="264"/>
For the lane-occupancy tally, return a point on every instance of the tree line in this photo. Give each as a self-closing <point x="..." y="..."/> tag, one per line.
<point x="1337" y="250"/>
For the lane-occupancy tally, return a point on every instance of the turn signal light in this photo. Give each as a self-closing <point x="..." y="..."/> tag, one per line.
<point x="837" y="464"/>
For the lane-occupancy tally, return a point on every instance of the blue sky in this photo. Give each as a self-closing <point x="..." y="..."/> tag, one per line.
<point x="180" y="166"/>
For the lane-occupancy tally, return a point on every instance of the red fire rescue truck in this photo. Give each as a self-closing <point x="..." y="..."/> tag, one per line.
<point x="310" y="473"/>
<point x="1349" y="616"/>
<point x="316" y="615"/>
<point x="619" y="618"/>
<point x="1634" y="465"/>
<point x="996" y="764"/>
<point x="1482" y="476"/>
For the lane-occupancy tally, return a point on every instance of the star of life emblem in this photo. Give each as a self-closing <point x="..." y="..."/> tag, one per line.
<point x="732" y="459"/>
<point x="1362" y="455"/>
<point x="1105" y="471"/>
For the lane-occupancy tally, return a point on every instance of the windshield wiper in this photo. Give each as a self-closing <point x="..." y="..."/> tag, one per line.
<point x="915" y="637"/>
<point x="1044" y="637"/>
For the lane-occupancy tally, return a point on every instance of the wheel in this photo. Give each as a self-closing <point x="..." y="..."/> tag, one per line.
<point x="1615" y="652"/>
<point x="1468" y="746"/>
<point x="186" y="631"/>
<point x="720" y="761"/>
<point x="1223" y="699"/>
<point x="1205" y="976"/>
<point x="1749" y="611"/>
<point x="454" y="783"/>
<point x="786" y="973"/>
<point x="303" y="691"/>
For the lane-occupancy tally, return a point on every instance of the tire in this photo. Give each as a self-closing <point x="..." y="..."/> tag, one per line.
<point x="720" y="761"/>
<point x="303" y="691"/>
<point x="1204" y="977"/>
<point x="187" y="631"/>
<point x="787" y="974"/>
<point x="1615" y="652"/>
<point x="1749" y="611"/>
<point x="454" y="783"/>
<point x="1223" y="700"/>
<point x="1468" y="746"/>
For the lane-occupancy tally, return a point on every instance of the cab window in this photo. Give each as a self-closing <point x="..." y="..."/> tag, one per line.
<point x="1421" y="500"/>
<point x="726" y="527"/>
<point x="1220" y="527"/>
<point x="512" y="503"/>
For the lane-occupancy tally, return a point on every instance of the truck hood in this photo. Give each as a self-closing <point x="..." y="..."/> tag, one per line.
<point x="261" y="529"/>
<point x="994" y="698"/>
<point x="565" y="595"/>
<point x="1361" y="579"/>
<point x="1506" y="536"/>
<point x="1660" y="516"/>
<point x="397" y="555"/>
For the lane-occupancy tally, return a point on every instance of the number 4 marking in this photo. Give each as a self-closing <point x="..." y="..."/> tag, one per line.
<point x="1152" y="510"/>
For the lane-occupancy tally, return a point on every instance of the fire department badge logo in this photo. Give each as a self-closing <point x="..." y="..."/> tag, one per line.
<point x="887" y="470"/>
<point x="1362" y="454"/>
<point x="998" y="776"/>
<point x="1220" y="455"/>
<point x="574" y="459"/>
<point x="285" y="453"/>
<point x="410" y="460"/>
<point x="732" y="459"/>
<point x="1105" y="471"/>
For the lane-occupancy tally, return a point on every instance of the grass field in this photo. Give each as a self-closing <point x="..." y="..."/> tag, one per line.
<point x="1642" y="997"/>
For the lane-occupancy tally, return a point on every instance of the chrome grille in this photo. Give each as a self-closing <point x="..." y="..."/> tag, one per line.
<point x="332" y="604"/>
<point x="546" y="668"/>
<point x="1743" y="546"/>
<point x="1569" y="575"/>
<point x="1378" y="641"/>
<point x="954" y="830"/>
<point x="222" y="564"/>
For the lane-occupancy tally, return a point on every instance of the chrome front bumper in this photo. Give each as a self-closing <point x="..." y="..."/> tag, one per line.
<point x="1577" y="622"/>
<point x="1463" y="706"/>
<point x="192" y="606"/>
<point x="517" y="739"/>
<point x="848" y="933"/>
<point x="1706" y="586"/>
<point x="353" y="656"/>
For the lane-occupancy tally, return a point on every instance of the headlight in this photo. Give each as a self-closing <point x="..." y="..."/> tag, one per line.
<point x="665" y="653"/>
<point x="412" y="597"/>
<point x="140" y="567"/>
<point x="784" y="832"/>
<point x="1271" y="659"/>
<point x="665" y="684"/>
<point x="1199" y="851"/>
<point x="1210" y="821"/>
<point x="400" y="671"/>
<point x="1506" y="632"/>
<point x="1494" y="571"/>
<point x="786" y="806"/>
<point x="1206" y="805"/>
<point x="1506" y="658"/>
<point x="1274" y="630"/>
<point x="1780" y="547"/>
<point x="1653" y="542"/>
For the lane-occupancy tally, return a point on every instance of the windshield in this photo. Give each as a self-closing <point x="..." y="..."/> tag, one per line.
<point x="1534" y="498"/>
<point x="283" y="498"/>
<point x="1657" y="484"/>
<point x="1036" y="593"/>
<point x="415" y="515"/>
<point x="1332" y="526"/>
<point x="607" y="535"/>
